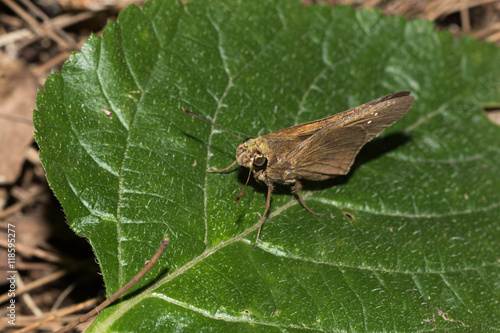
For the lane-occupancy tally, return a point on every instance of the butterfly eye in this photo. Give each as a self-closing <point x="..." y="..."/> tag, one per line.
<point x="259" y="161"/>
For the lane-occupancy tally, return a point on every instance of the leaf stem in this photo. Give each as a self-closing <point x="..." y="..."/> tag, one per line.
<point x="164" y="243"/>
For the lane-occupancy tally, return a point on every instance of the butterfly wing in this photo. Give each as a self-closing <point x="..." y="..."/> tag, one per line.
<point x="302" y="131"/>
<point x="375" y="118"/>
<point x="332" y="150"/>
<point x="328" y="153"/>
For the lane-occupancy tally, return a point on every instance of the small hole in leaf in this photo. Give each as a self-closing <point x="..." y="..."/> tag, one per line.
<point x="492" y="111"/>
<point x="246" y="311"/>
<point x="349" y="216"/>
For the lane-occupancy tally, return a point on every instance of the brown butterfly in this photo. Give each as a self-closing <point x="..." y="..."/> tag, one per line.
<point x="316" y="150"/>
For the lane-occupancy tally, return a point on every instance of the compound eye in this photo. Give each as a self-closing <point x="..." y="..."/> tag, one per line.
<point x="259" y="161"/>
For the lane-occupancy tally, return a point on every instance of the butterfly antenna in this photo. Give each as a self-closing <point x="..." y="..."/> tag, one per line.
<point x="244" y="187"/>
<point x="211" y="123"/>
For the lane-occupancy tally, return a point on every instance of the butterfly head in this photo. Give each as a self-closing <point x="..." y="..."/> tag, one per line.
<point x="249" y="155"/>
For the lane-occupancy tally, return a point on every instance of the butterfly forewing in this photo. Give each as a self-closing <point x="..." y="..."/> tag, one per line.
<point x="329" y="152"/>
<point x="375" y="118"/>
<point x="305" y="130"/>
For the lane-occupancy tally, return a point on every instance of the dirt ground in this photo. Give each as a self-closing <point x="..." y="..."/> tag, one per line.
<point x="58" y="277"/>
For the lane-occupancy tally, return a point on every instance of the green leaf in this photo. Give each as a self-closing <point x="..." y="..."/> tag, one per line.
<point x="409" y="240"/>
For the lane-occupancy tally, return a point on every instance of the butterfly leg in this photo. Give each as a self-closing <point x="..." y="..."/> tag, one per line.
<point x="222" y="170"/>
<point x="268" y="204"/>
<point x="297" y="188"/>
